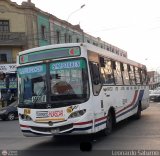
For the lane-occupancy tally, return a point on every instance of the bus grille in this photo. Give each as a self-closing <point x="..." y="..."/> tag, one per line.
<point x="48" y="129"/>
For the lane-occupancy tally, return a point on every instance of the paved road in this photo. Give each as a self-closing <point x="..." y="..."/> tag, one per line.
<point x="143" y="134"/>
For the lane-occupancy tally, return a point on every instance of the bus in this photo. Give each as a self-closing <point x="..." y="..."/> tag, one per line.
<point x="77" y="88"/>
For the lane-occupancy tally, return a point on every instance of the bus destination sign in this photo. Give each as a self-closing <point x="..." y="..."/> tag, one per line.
<point x="49" y="54"/>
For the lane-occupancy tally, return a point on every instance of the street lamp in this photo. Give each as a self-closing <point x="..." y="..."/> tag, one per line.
<point x="67" y="24"/>
<point x="82" y="6"/>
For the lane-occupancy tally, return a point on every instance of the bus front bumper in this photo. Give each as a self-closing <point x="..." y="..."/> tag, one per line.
<point x="68" y="129"/>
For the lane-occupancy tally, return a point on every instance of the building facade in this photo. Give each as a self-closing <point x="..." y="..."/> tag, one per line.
<point x="12" y="31"/>
<point x="25" y="26"/>
<point x="63" y="32"/>
<point x="153" y="79"/>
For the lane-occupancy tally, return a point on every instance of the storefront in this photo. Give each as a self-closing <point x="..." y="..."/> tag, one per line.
<point x="8" y="81"/>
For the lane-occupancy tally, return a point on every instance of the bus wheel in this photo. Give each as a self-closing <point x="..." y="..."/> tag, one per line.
<point x="109" y="125"/>
<point x="138" y="113"/>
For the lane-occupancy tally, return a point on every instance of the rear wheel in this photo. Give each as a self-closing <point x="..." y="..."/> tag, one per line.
<point x="138" y="113"/>
<point x="11" y="116"/>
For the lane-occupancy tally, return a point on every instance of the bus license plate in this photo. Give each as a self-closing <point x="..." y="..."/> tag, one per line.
<point x="55" y="131"/>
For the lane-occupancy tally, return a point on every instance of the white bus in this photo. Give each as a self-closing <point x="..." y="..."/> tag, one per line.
<point x="77" y="88"/>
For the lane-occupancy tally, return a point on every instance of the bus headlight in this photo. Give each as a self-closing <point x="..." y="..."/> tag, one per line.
<point x="25" y="117"/>
<point x="77" y="113"/>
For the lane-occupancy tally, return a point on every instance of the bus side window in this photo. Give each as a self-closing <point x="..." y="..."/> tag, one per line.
<point x="144" y="76"/>
<point x="125" y="74"/>
<point x="137" y="76"/>
<point x="131" y="74"/>
<point x="95" y="75"/>
<point x="117" y="73"/>
<point x="107" y="73"/>
<point x="140" y="75"/>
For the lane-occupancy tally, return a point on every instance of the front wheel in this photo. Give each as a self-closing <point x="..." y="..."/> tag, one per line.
<point x="109" y="125"/>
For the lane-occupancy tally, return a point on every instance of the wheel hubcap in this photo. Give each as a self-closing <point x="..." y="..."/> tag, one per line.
<point x="11" y="117"/>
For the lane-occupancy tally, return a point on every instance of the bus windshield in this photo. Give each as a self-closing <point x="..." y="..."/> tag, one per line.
<point x="69" y="80"/>
<point x="32" y="84"/>
<point x="58" y="81"/>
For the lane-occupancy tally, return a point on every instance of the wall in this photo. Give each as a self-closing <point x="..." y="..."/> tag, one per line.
<point x="15" y="16"/>
<point x="43" y="21"/>
<point x="15" y="51"/>
<point x="63" y="29"/>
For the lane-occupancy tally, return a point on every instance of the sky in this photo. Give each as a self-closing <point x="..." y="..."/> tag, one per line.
<point x="132" y="25"/>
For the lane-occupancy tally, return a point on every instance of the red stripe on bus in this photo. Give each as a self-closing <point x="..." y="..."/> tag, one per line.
<point x="88" y="122"/>
<point x="83" y="123"/>
<point x="100" y="119"/>
<point x="25" y="126"/>
<point x="133" y="101"/>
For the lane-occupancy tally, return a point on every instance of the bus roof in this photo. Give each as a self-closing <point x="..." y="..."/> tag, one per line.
<point x="90" y="47"/>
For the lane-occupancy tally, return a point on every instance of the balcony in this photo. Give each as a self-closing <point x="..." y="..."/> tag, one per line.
<point x="12" y="39"/>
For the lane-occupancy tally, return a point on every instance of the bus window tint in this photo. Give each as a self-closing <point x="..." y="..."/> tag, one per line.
<point x="69" y="80"/>
<point x="144" y="76"/>
<point x="137" y="76"/>
<point x="125" y="75"/>
<point x="32" y="80"/>
<point x="107" y="73"/>
<point x="131" y="75"/>
<point x="96" y="77"/>
<point x="117" y="74"/>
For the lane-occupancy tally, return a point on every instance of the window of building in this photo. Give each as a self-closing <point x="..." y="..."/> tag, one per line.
<point x="77" y="40"/>
<point x="58" y="36"/>
<point x="43" y="32"/>
<point x="70" y="38"/>
<point x="65" y="38"/>
<point x="108" y="48"/>
<point x="3" y="57"/>
<point x="94" y="43"/>
<point x="4" y="26"/>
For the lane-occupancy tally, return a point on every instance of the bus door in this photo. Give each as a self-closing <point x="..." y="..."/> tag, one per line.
<point x="96" y="88"/>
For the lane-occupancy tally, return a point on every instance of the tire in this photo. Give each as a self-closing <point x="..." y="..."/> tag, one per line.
<point x="11" y="117"/>
<point x="85" y="146"/>
<point x="109" y="125"/>
<point x="138" y="114"/>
